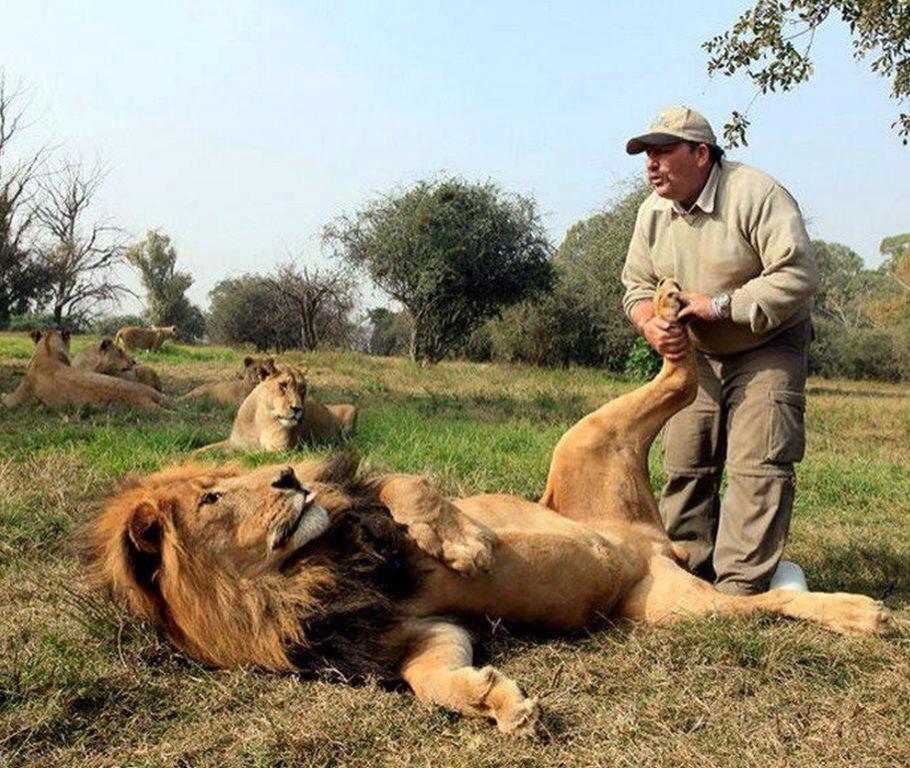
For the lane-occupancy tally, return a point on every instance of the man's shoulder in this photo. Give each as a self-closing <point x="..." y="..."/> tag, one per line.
<point x="746" y="180"/>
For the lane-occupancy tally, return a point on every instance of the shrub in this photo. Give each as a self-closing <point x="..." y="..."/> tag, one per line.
<point x="642" y="362"/>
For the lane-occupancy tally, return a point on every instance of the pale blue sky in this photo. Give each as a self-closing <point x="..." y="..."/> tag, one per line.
<point x="241" y="128"/>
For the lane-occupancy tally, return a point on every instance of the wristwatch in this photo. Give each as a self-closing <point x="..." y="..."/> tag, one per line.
<point x="720" y="306"/>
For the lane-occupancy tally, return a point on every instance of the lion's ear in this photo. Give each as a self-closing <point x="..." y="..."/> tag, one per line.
<point x="145" y="529"/>
<point x="105" y="344"/>
<point x="303" y="368"/>
<point x="35" y="335"/>
<point x="247" y="361"/>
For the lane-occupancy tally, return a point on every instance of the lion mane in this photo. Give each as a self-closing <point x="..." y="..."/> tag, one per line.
<point x="331" y="611"/>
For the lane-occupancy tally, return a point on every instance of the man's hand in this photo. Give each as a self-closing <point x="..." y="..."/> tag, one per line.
<point x="669" y="339"/>
<point x="696" y="306"/>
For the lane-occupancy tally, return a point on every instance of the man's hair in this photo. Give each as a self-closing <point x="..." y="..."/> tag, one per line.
<point x="715" y="153"/>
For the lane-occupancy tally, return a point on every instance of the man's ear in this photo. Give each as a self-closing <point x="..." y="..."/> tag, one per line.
<point x="105" y="344"/>
<point x="145" y="528"/>
<point x="35" y="335"/>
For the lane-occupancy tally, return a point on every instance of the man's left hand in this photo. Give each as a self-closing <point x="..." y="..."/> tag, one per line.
<point x="696" y="306"/>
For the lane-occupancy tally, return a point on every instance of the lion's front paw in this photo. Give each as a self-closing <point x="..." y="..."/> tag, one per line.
<point x="457" y="541"/>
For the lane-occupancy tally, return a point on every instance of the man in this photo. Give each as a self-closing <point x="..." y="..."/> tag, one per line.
<point x="734" y="239"/>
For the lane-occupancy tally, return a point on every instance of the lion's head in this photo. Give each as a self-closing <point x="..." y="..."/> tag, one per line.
<point x="112" y="359"/>
<point x="53" y="343"/>
<point x="284" y="394"/>
<point x="257" y="568"/>
<point x="256" y="369"/>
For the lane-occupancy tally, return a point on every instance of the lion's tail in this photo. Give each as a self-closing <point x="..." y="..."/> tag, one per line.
<point x="224" y="445"/>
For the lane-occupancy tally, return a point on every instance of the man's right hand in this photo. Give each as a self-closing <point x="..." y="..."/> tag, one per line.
<point x="669" y="339"/>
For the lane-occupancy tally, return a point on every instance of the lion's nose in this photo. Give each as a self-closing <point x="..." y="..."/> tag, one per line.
<point x="297" y="410"/>
<point x="287" y="480"/>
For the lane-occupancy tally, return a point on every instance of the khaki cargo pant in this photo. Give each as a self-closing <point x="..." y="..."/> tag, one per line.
<point x="748" y="418"/>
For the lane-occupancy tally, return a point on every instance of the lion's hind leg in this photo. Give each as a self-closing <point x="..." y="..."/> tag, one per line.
<point x="669" y="594"/>
<point x="438" y="667"/>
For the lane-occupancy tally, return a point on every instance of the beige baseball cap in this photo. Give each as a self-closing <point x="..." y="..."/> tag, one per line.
<point x="672" y="125"/>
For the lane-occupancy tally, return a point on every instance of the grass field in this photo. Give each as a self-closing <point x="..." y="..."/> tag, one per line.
<point x="80" y="685"/>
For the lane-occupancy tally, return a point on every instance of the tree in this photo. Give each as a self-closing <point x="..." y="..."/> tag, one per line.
<point x="321" y="300"/>
<point x="79" y="257"/>
<point x="452" y="253"/>
<point x="245" y="310"/>
<point x="591" y="257"/>
<point x="156" y="260"/>
<point x="842" y="284"/>
<point x="389" y="332"/>
<point x="23" y="280"/>
<point x="896" y="250"/>
<point x="771" y="43"/>
<point x="891" y="307"/>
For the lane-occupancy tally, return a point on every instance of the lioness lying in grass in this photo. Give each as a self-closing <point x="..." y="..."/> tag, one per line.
<point x="318" y="568"/>
<point x="52" y="380"/>
<point x="279" y="415"/>
<point x="107" y="358"/>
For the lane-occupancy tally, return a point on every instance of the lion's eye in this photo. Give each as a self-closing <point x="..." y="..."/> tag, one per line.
<point x="209" y="498"/>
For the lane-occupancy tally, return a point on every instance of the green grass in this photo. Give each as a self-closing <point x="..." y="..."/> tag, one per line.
<point x="82" y="685"/>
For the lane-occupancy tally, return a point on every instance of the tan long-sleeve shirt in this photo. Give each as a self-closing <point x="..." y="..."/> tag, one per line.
<point x="744" y="236"/>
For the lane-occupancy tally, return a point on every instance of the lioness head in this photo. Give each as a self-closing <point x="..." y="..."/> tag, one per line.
<point x="256" y="369"/>
<point x="52" y="342"/>
<point x="666" y="299"/>
<point x="113" y="358"/>
<point x="284" y="393"/>
<point x="184" y="548"/>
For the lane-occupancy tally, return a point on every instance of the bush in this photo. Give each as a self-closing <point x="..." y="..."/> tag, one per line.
<point x="108" y="326"/>
<point x="30" y="320"/>
<point x="642" y="362"/>
<point x="864" y="353"/>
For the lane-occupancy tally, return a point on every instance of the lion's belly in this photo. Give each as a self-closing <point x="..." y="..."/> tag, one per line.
<point x="548" y="571"/>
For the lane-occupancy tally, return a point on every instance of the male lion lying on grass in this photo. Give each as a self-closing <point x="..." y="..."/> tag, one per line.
<point x="52" y="380"/>
<point x="318" y="569"/>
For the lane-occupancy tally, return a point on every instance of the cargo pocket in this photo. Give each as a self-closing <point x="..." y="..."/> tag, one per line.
<point x="786" y="433"/>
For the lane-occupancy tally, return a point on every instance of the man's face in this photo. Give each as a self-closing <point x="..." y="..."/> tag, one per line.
<point x="676" y="171"/>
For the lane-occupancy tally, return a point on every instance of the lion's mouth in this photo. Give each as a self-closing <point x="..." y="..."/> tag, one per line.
<point x="290" y="420"/>
<point x="306" y="522"/>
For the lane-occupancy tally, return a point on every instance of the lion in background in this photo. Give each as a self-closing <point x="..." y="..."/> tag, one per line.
<point x="255" y="370"/>
<point x="51" y="379"/>
<point x="107" y="358"/>
<point x="132" y="338"/>
<point x="279" y="415"/>
<point x="319" y="568"/>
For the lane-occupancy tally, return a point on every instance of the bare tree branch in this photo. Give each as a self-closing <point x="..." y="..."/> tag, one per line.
<point x="80" y="257"/>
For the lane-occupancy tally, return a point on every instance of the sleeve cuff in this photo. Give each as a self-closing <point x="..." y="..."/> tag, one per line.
<point x="741" y="307"/>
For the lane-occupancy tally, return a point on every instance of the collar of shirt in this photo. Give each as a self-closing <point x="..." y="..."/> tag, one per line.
<point x="705" y="201"/>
